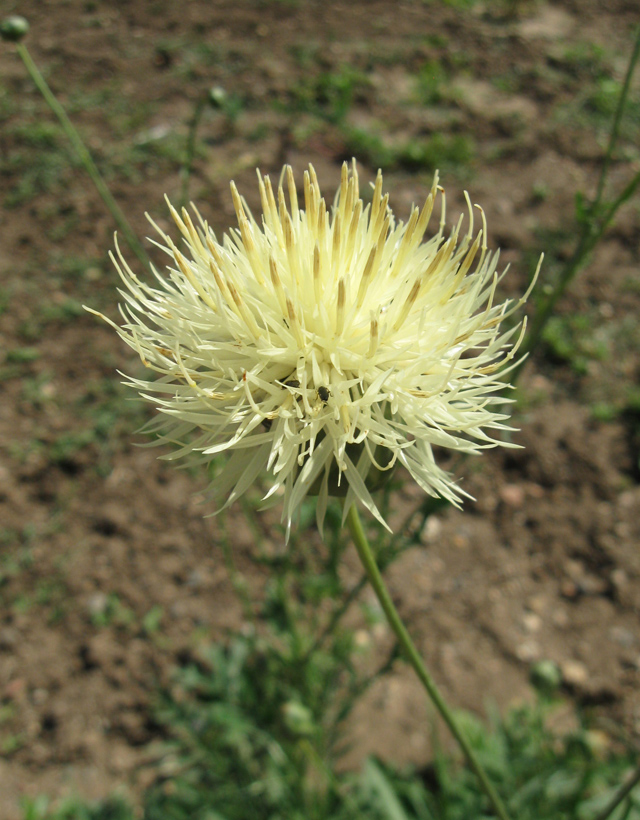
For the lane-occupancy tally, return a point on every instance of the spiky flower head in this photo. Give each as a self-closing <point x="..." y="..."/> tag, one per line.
<point x="321" y="344"/>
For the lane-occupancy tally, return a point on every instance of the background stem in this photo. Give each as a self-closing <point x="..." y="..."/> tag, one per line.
<point x="624" y="792"/>
<point x="84" y="156"/>
<point x="593" y="222"/>
<point x="185" y="171"/>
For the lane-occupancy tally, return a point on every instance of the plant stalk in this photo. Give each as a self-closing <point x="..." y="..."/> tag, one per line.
<point x="597" y="218"/>
<point x="185" y="171"/>
<point x="615" y="129"/>
<point x="624" y="792"/>
<point x="83" y="155"/>
<point x="409" y="649"/>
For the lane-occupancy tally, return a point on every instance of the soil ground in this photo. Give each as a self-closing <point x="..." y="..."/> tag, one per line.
<point x="108" y="571"/>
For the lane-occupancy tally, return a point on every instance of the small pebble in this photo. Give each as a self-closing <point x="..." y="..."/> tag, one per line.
<point x="432" y="529"/>
<point x="574" y="673"/>
<point x="532" y="622"/>
<point x="512" y="495"/>
<point x="622" y="636"/>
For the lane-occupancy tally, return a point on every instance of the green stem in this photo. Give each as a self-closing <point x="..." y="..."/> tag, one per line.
<point x="185" y="172"/>
<point x="543" y="314"/>
<point x="615" y="130"/>
<point x="412" y="655"/>
<point x="595" y="222"/>
<point x="627" y="192"/>
<point x="591" y="235"/>
<point x="624" y="792"/>
<point x="83" y="154"/>
<point x="335" y="618"/>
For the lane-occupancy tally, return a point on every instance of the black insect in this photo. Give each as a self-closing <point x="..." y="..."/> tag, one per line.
<point x="323" y="394"/>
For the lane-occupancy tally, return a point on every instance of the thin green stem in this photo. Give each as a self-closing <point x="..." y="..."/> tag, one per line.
<point x="589" y="238"/>
<point x="335" y="618"/>
<point x="360" y="686"/>
<point x="627" y="192"/>
<point x="617" y="799"/>
<point x="185" y="172"/>
<point x="413" y="656"/>
<point x="594" y="222"/>
<point x="543" y="314"/>
<point x="615" y="130"/>
<point x="391" y="553"/>
<point x="83" y="155"/>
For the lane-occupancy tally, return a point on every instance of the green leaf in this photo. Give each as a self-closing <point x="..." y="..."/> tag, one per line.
<point x="375" y="780"/>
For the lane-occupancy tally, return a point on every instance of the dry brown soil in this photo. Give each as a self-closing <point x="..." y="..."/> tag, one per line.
<point x="108" y="571"/>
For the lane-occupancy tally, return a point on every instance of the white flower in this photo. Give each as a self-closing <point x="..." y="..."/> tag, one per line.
<point x="322" y="341"/>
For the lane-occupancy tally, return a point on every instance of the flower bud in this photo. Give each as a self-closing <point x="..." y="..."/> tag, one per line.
<point x="217" y="97"/>
<point x="13" y="28"/>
